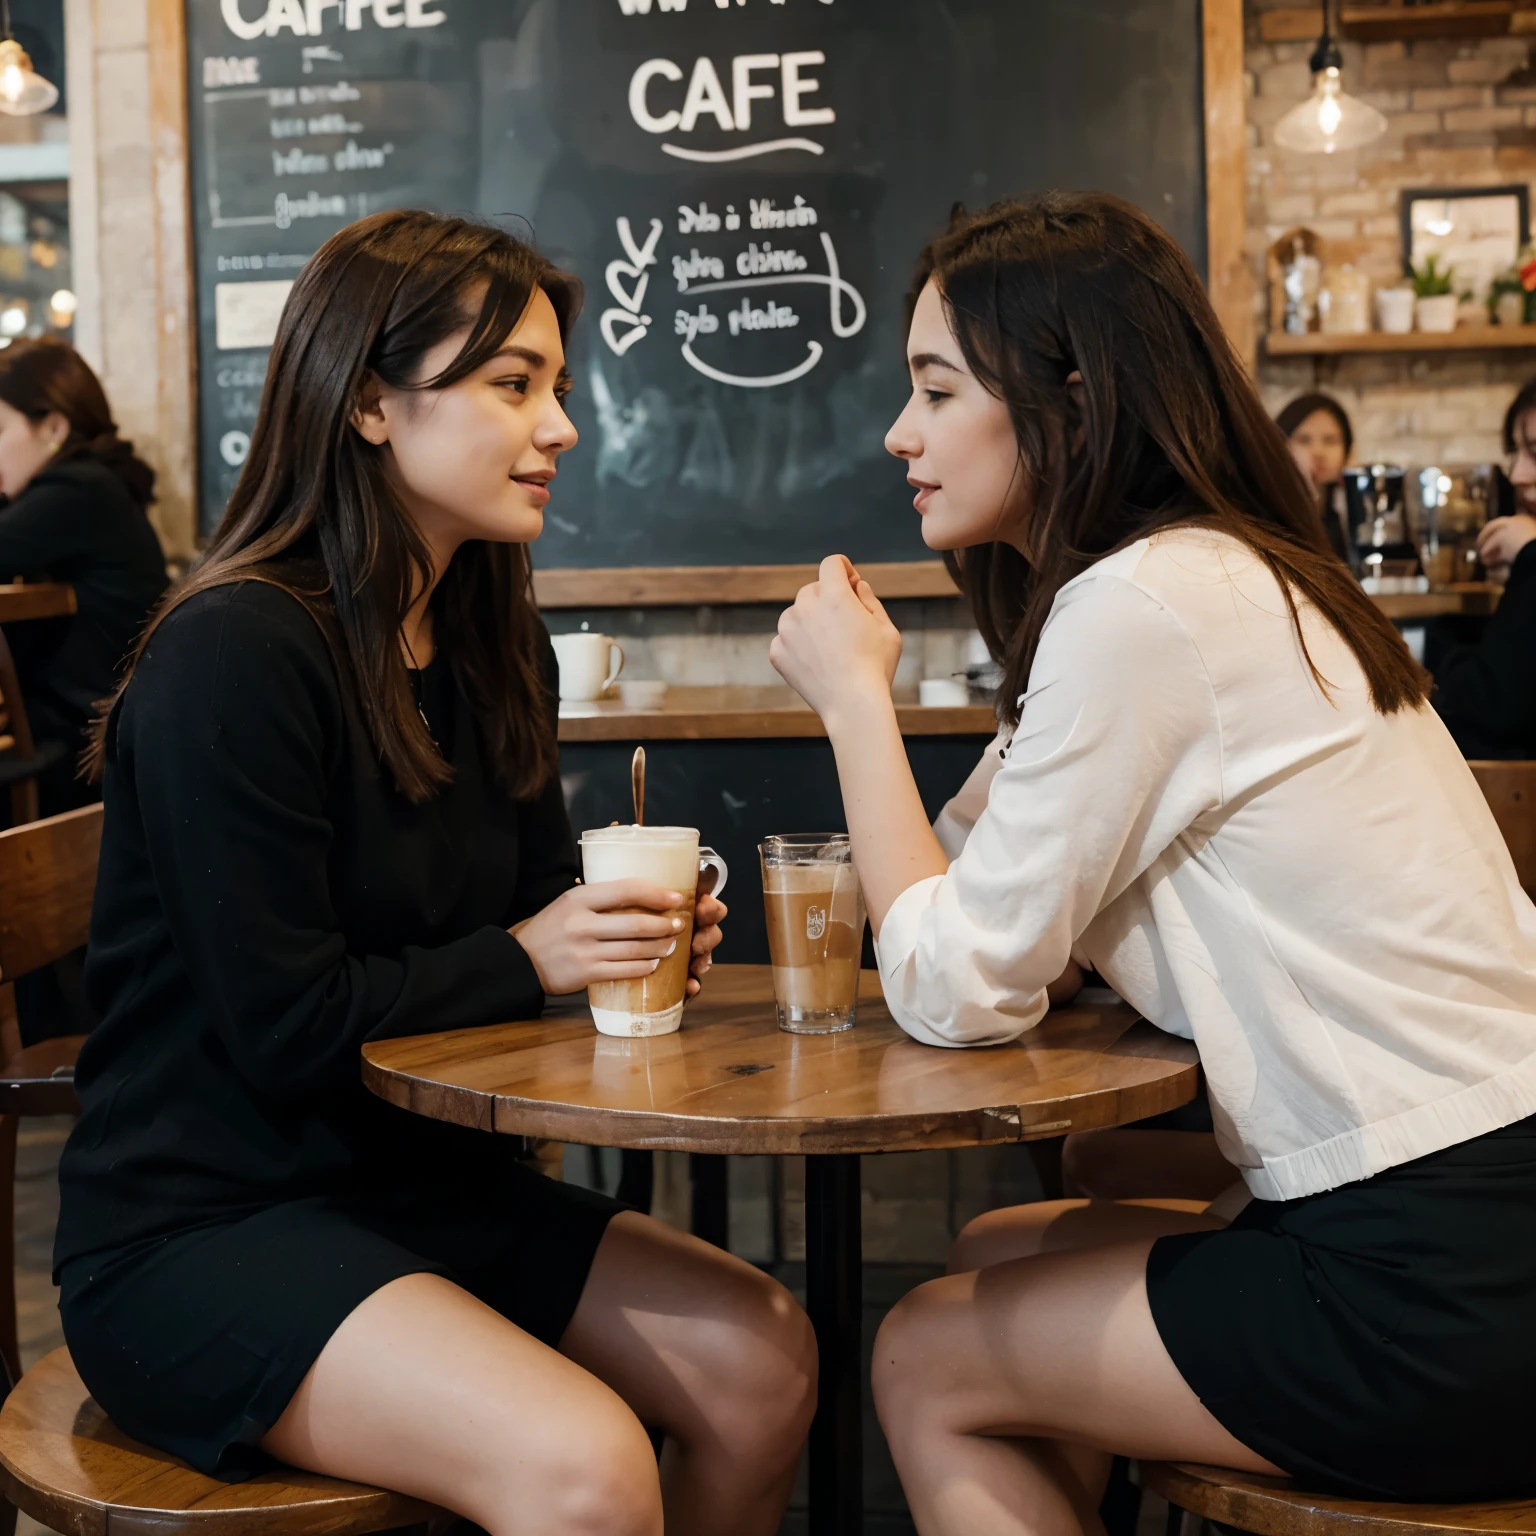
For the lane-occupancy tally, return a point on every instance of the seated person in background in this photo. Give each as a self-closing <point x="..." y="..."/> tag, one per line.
<point x="1486" y="693"/>
<point x="75" y="502"/>
<point x="1321" y="440"/>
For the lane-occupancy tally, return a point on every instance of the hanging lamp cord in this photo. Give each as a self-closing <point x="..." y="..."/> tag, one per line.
<point x="5" y="19"/>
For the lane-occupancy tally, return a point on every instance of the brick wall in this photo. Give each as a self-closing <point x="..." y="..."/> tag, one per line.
<point x="1456" y="118"/>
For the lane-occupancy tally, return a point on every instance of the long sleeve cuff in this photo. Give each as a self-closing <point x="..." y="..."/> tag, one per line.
<point x="898" y="955"/>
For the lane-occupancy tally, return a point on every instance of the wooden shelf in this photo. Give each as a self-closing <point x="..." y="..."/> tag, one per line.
<point x="1470" y="598"/>
<point x="35" y="600"/>
<point x="1391" y="22"/>
<point x="1466" y="338"/>
<point x="690" y="585"/>
<point x="746" y="714"/>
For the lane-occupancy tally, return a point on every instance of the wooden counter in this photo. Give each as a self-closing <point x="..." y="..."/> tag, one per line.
<point x="745" y="714"/>
<point x="1475" y="598"/>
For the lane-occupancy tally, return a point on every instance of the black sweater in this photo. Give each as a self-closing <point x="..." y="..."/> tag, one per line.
<point x="77" y="523"/>
<point x="1486" y="693"/>
<point x="267" y="902"/>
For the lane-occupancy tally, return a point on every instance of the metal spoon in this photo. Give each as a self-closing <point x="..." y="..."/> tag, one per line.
<point x="637" y="783"/>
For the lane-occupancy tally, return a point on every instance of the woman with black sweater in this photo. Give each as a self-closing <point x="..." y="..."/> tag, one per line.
<point x="75" y="499"/>
<point x="334" y="815"/>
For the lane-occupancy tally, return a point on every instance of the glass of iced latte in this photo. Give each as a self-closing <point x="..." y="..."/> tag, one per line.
<point x="815" y="913"/>
<point x="669" y="857"/>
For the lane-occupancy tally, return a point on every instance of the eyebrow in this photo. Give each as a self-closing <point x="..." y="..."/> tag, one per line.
<point x="931" y="360"/>
<point x="527" y="354"/>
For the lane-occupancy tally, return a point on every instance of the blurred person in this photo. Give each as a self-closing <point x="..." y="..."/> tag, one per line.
<point x="1486" y="692"/>
<point x="76" y="495"/>
<point x="1321" y="440"/>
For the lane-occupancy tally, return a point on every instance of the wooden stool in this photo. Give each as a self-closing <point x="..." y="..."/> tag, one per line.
<point x="24" y="759"/>
<point x="1274" y="1506"/>
<point x="63" y="1463"/>
<point x="1510" y="789"/>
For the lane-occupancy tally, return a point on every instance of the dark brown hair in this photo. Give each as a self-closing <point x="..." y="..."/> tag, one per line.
<point x="1520" y="406"/>
<point x="1170" y="431"/>
<point x="315" y="514"/>
<point x="1304" y="407"/>
<point x="39" y="377"/>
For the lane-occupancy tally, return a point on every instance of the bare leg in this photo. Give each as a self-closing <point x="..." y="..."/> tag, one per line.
<point x="1059" y="1226"/>
<point x="995" y="1388"/>
<point x="425" y="1390"/>
<point x="708" y="1348"/>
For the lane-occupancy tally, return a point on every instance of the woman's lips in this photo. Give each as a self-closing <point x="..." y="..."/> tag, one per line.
<point x="924" y="493"/>
<point x="537" y="491"/>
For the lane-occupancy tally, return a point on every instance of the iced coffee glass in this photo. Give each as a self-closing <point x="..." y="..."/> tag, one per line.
<point x="665" y="856"/>
<point x="815" y="913"/>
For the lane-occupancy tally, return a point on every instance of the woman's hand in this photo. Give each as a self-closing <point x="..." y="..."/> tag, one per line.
<point x="1503" y="538"/>
<point x="707" y="917"/>
<point x="592" y="934"/>
<point x="836" y="643"/>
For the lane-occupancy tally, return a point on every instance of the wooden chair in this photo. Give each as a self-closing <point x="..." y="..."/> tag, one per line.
<point x="47" y="882"/>
<point x="1274" y="1506"/>
<point x="23" y="759"/>
<point x="1510" y="789"/>
<point x="63" y="1463"/>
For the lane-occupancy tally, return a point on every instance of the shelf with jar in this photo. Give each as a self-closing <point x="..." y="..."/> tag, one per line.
<point x="1328" y="309"/>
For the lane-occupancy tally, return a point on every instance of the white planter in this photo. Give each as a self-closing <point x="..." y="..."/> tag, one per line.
<point x="1437" y="313"/>
<point x="1394" y="310"/>
<point x="1510" y="309"/>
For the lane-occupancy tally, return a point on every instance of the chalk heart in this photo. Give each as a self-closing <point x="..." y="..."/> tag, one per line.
<point x="638" y="326"/>
<point x="617" y="272"/>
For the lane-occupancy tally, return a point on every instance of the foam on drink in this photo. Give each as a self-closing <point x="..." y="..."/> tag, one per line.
<point x="664" y="856"/>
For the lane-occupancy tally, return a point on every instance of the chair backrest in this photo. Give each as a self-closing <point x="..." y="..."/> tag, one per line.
<point x="1510" y="789"/>
<point x="47" y="882"/>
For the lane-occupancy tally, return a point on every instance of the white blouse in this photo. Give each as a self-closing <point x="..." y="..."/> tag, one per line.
<point x="1314" y="893"/>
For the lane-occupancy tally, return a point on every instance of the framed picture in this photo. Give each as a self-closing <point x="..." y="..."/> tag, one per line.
<point x="1476" y="232"/>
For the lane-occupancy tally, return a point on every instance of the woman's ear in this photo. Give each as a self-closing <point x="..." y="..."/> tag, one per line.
<point x="368" y="418"/>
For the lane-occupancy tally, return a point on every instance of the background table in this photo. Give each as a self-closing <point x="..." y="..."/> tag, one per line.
<point x="731" y="1082"/>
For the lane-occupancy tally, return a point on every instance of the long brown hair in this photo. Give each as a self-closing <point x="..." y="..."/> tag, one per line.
<point x="38" y="377"/>
<point x="315" y="514"/>
<point x="1170" y="431"/>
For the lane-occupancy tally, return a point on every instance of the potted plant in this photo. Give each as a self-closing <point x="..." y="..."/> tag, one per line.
<point x="1507" y="297"/>
<point x="1435" y="293"/>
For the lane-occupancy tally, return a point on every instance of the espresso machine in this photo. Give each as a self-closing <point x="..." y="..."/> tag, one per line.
<point x="1384" y="555"/>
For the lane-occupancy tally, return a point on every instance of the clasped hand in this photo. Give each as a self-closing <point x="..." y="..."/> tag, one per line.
<point x="1502" y="538"/>
<point x="592" y="934"/>
<point x="836" y="644"/>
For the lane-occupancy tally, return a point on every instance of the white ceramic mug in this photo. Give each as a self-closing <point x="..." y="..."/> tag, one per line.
<point x="589" y="665"/>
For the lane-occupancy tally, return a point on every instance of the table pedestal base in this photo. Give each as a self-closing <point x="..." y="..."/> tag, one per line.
<point x="834" y="1287"/>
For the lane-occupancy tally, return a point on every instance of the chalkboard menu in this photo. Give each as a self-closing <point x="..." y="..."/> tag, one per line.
<point x="743" y="185"/>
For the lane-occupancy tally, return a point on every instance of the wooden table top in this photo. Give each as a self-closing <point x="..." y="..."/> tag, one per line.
<point x="738" y="714"/>
<point x="1472" y="597"/>
<point x="35" y="600"/>
<point x="731" y="1081"/>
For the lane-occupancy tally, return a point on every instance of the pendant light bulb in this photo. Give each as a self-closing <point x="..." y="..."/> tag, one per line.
<point x="23" y="92"/>
<point x="1329" y="119"/>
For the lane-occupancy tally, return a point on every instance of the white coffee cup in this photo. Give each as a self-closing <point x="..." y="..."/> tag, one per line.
<point x="589" y="665"/>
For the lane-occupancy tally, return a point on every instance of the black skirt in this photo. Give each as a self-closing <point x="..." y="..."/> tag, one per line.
<point x="196" y="1343"/>
<point x="1377" y="1340"/>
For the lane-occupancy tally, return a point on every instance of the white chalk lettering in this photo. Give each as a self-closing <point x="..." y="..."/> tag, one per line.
<point x="694" y="267"/>
<point x="766" y="216"/>
<point x="357" y="158"/>
<point x="640" y="83"/>
<point x="643" y="7"/>
<point x="688" y="326"/>
<point x="697" y="221"/>
<point x="217" y="72"/>
<point x="307" y="18"/>
<point x="757" y="261"/>
<point x="743" y="66"/>
<point x="296" y="163"/>
<point x="776" y="317"/>
<point x="796" y="116"/>
<point x="312" y="206"/>
<point x="706" y="94"/>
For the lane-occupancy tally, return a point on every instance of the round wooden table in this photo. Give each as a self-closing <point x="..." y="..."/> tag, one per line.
<point x="731" y="1082"/>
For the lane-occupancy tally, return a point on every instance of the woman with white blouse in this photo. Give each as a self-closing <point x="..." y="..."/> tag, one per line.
<point x="1218" y="784"/>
